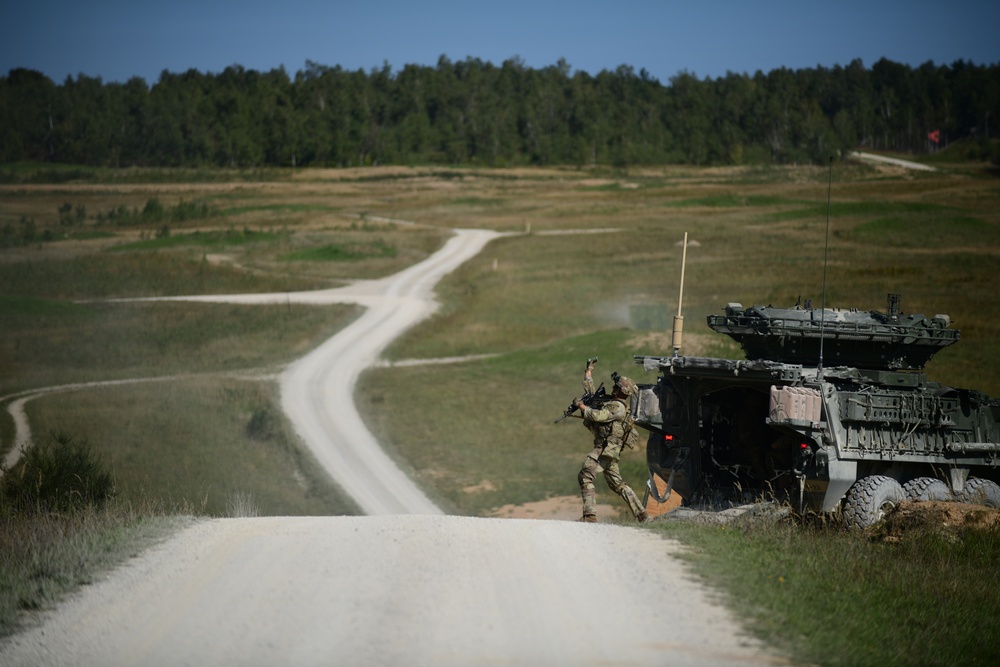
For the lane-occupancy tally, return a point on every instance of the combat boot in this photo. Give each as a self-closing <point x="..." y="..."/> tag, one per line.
<point x="588" y="518"/>
<point x="643" y="517"/>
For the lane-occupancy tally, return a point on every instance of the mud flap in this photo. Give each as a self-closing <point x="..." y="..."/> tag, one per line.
<point x="843" y="474"/>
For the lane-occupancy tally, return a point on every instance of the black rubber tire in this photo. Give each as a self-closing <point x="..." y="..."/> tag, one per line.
<point x="979" y="491"/>
<point x="927" y="488"/>
<point x="870" y="499"/>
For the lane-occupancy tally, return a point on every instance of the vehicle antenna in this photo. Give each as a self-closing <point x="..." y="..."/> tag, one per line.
<point x="679" y="318"/>
<point x="826" y="252"/>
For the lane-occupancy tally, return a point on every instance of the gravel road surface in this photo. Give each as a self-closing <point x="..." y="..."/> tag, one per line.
<point x="317" y="392"/>
<point x="394" y="590"/>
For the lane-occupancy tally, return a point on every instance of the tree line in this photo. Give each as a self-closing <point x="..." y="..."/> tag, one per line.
<point x="471" y="112"/>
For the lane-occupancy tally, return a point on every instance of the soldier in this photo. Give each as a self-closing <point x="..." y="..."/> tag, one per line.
<point x="612" y="427"/>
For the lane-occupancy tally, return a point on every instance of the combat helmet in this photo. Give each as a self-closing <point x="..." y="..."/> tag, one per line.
<point x="626" y="386"/>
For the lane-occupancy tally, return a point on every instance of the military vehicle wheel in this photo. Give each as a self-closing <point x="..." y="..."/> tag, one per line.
<point x="981" y="492"/>
<point x="870" y="499"/>
<point x="926" y="488"/>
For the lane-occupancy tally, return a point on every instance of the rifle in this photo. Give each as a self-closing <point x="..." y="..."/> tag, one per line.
<point x="590" y="399"/>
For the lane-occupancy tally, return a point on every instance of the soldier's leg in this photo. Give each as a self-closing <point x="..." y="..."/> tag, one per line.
<point x="615" y="482"/>
<point x="588" y="473"/>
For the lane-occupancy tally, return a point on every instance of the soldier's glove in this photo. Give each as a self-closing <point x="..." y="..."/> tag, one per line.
<point x="591" y="362"/>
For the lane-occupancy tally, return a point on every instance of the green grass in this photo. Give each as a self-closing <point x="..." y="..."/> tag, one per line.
<point x="48" y="342"/>
<point x="85" y="234"/>
<point x="840" y="212"/>
<point x="548" y="287"/>
<point x="15" y="307"/>
<point x="736" y="201"/>
<point x="542" y="304"/>
<point x="833" y="598"/>
<point x="550" y="302"/>
<point x="140" y="274"/>
<point x="479" y="201"/>
<point x="343" y="253"/>
<point x="928" y="231"/>
<point x="233" y="438"/>
<point x="209" y="240"/>
<point x="497" y="417"/>
<point x="276" y="208"/>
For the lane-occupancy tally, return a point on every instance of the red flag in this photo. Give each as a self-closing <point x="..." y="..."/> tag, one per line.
<point x="935" y="136"/>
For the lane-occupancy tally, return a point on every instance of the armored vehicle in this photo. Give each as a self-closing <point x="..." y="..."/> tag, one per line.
<point x="859" y="434"/>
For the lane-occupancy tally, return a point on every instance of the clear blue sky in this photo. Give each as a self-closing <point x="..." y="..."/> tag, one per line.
<point x="119" y="39"/>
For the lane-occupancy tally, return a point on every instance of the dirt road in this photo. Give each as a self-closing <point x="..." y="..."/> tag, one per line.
<point x="906" y="164"/>
<point x="393" y="590"/>
<point x="317" y="391"/>
<point x="406" y="586"/>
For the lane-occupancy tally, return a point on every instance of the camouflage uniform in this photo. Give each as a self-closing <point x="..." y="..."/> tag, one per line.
<point x="608" y="424"/>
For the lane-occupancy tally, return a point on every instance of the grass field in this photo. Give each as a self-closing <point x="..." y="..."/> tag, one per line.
<point x="545" y="303"/>
<point x="910" y="593"/>
<point x="591" y="268"/>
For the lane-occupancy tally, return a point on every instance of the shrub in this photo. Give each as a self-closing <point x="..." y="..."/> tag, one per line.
<point x="262" y="424"/>
<point x="56" y="474"/>
<point x="153" y="210"/>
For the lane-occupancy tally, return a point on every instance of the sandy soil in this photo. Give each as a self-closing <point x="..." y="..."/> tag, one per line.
<point x="559" y="508"/>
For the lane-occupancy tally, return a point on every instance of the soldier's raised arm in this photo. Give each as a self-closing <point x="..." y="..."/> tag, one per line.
<point x="588" y="379"/>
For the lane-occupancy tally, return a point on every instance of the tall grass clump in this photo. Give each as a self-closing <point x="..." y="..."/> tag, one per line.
<point x="46" y="555"/>
<point x="243" y="505"/>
